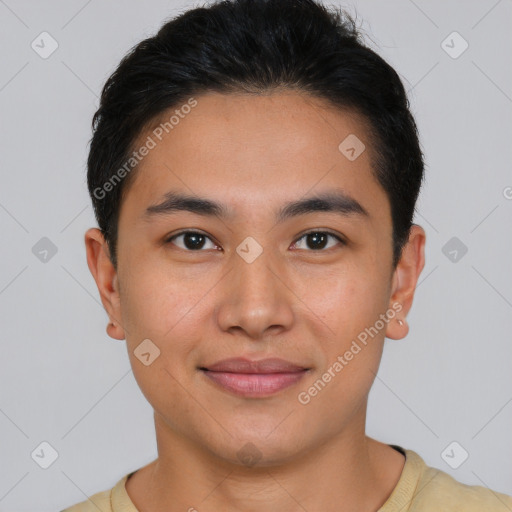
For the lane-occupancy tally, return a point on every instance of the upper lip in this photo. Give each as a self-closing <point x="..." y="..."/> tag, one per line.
<point x="242" y="365"/>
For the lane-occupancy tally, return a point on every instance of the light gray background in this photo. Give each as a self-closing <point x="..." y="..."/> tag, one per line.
<point x="64" y="381"/>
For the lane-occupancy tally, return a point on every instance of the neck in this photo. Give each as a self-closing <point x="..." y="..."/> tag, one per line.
<point x="350" y="472"/>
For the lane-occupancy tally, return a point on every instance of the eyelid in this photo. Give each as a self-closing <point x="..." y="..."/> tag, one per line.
<point x="325" y="231"/>
<point x="322" y="230"/>
<point x="170" y="238"/>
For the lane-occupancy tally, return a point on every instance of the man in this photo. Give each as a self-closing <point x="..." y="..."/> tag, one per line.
<point x="254" y="171"/>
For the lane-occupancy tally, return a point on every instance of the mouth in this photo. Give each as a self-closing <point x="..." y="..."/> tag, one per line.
<point x="254" y="379"/>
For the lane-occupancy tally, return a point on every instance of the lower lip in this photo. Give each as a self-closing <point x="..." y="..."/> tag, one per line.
<point x="254" y="384"/>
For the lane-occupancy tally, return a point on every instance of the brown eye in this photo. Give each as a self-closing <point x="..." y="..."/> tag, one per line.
<point x="191" y="241"/>
<point x="318" y="240"/>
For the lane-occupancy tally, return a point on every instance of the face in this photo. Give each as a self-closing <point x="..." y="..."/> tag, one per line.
<point x="255" y="276"/>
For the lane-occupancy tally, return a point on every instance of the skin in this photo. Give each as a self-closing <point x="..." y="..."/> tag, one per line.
<point x="305" y="305"/>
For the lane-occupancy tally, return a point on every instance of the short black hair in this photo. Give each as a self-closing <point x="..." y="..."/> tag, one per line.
<point x="255" y="47"/>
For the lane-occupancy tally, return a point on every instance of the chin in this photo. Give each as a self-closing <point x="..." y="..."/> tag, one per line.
<point x="254" y="449"/>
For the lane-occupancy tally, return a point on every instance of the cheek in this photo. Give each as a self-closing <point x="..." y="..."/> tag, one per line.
<point x="155" y="300"/>
<point x="351" y="356"/>
<point x="170" y="309"/>
<point x="351" y="306"/>
<point x="347" y="301"/>
<point x="167" y="310"/>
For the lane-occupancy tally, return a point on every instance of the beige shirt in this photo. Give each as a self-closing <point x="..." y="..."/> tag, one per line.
<point x="420" y="489"/>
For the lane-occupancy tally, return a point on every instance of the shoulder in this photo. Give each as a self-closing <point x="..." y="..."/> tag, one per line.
<point x="439" y="491"/>
<point x="99" y="502"/>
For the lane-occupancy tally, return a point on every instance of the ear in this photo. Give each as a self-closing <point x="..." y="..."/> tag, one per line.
<point x="405" y="278"/>
<point x="105" y="275"/>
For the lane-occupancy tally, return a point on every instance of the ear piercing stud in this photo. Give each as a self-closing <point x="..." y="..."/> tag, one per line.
<point x="400" y="323"/>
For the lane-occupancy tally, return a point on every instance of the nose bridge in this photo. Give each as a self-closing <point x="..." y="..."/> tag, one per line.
<point x="256" y="297"/>
<point x="255" y="279"/>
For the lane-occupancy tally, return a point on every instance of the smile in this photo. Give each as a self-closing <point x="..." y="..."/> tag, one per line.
<point x="254" y="379"/>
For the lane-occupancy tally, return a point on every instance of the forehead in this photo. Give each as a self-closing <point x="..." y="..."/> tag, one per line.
<point x="254" y="150"/>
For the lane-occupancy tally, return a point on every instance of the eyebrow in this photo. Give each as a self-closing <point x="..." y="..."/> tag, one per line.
<point x="330" y="201"/>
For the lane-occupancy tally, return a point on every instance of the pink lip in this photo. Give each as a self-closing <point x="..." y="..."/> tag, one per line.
<point x="254" y="378"/>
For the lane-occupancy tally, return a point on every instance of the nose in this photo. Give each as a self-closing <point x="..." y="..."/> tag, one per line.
<point x="257" y="299"/>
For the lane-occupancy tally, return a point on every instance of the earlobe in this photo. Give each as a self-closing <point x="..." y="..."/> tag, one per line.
<point x="405" y="279"/>
<point x="115" y="331"/>
<point x="105" y="276"/>
<point x="397" y="329"/>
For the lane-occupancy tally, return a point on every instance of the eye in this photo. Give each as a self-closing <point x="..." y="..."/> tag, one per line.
<point x="195" y="240"/>
<point x="192" y="240"/>
<point x="318" y="239"/>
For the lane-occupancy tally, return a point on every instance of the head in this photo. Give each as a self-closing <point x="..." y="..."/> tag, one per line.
<point x="269" y="130"/>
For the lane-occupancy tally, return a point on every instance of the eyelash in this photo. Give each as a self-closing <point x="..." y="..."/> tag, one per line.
<point x="315" y="231"/>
